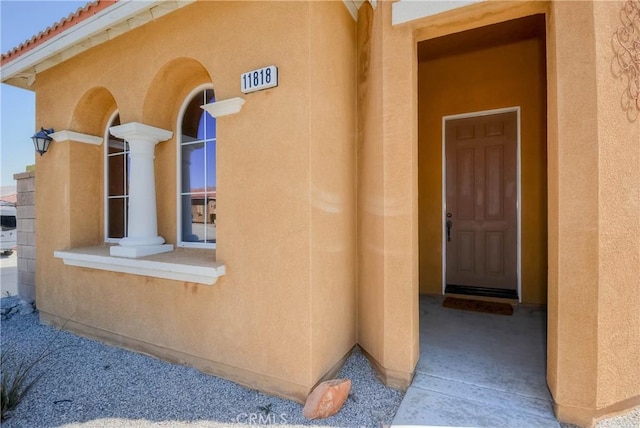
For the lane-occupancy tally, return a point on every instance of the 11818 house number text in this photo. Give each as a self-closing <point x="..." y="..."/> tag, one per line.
<point x="256" y="80"/>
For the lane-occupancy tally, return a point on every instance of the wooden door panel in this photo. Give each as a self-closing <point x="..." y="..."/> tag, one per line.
<point x="494" y="180"/>
<point x="466" y="251"/>
<point x="465" y="193"/>
<point x="494" y="252"/>
<point x="465" y="132"/>
<point x="494" y="128"/>
<point x="481" y="197"/>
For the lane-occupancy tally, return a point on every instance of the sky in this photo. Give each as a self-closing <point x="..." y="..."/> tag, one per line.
<point x="19" y="21"/>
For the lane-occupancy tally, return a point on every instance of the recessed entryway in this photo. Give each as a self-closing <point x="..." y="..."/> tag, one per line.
<point x="482" y="208"/>
<point x="497" y="69"/>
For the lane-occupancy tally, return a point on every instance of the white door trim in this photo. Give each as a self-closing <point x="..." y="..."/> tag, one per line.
<point x="518" y="187"/>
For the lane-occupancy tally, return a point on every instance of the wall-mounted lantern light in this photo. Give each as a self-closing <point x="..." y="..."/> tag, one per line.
<point x="41" y="140"/>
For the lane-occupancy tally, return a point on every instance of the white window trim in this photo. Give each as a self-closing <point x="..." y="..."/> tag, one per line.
<point x="179" y="265"/>
<point x="105" y="179"/>
<point x="183" y="108"/>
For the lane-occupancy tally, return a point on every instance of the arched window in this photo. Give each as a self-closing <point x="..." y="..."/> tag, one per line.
<point x="116" y="181"/>
<point x="197" y="172"/>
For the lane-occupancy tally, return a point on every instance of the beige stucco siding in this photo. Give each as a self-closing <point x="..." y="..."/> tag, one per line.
<point x="387" y="196"/>
<point x="332" y="166"/>
<point x="370" y="186"/>
<point x="618" y="224"/>
<point x="284" y="313"/>
<point x="573" y="209"/>
<point x="594" y="207"/>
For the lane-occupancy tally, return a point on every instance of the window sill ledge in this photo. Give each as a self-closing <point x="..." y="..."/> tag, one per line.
<point x="182" y="264"/>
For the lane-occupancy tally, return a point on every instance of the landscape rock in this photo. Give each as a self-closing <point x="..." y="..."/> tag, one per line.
<point x="327" y="399"/>
<point x="26" y="309"/>
<point x="10" y="306"/>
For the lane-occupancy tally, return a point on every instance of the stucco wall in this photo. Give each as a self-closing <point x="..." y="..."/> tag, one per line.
<point x="573" y="211"/>
<point x="332" y="169"/>
<point x="370" y="187"/>
<point x="284" y="166"/>
<point x="619" y="223"/>
<point x="594" y="328"/>
<point x="387" y="195"/>
<point x="509" y="75"/>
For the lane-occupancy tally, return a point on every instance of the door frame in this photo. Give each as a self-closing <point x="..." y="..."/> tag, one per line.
<point x="518" y="191"/>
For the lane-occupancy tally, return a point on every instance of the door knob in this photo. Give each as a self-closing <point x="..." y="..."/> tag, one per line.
<point x="449" y="226"/>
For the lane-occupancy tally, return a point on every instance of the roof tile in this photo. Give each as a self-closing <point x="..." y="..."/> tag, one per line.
<point x="87" y="11"/>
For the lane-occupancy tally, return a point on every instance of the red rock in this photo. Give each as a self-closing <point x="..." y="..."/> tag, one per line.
<point x="327" y="399"/>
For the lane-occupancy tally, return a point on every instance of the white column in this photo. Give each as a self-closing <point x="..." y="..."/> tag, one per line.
<point x="142" y="232"/>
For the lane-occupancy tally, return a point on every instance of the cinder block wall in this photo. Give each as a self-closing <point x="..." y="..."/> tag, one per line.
<point x="26" y="207"/>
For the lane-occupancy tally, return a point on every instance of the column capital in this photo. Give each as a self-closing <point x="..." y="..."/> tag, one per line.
<point x="133" y="131"/>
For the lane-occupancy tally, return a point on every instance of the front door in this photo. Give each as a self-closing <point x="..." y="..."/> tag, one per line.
<point x="481" y="205"/>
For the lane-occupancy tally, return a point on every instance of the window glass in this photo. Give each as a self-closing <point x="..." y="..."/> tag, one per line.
<point x="198" y="173"/>
<point x="117" y="179"/>
<point x="8" y="222"/>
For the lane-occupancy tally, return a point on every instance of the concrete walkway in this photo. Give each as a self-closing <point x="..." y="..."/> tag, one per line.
<point x="479" y="370"/>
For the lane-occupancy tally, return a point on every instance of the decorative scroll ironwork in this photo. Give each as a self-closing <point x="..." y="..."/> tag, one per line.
<point x="626" y="46"/>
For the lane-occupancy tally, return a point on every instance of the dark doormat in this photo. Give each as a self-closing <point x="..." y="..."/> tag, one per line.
<point x="478" y="306"/>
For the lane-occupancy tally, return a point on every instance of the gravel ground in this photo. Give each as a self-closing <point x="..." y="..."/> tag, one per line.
<point x="626" y="420"/>
<point x="89" y="384"/>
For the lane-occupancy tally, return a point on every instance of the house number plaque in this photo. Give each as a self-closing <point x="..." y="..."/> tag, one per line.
<point x="257" y="80"/>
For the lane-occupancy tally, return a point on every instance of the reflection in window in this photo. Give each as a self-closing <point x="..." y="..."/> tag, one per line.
<point x="117" y="185"/>
<point x="198" y="173"/>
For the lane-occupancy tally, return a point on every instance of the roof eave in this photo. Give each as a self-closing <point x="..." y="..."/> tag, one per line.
<point x="354" y="5"/>
<point x="105" y="25"/>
